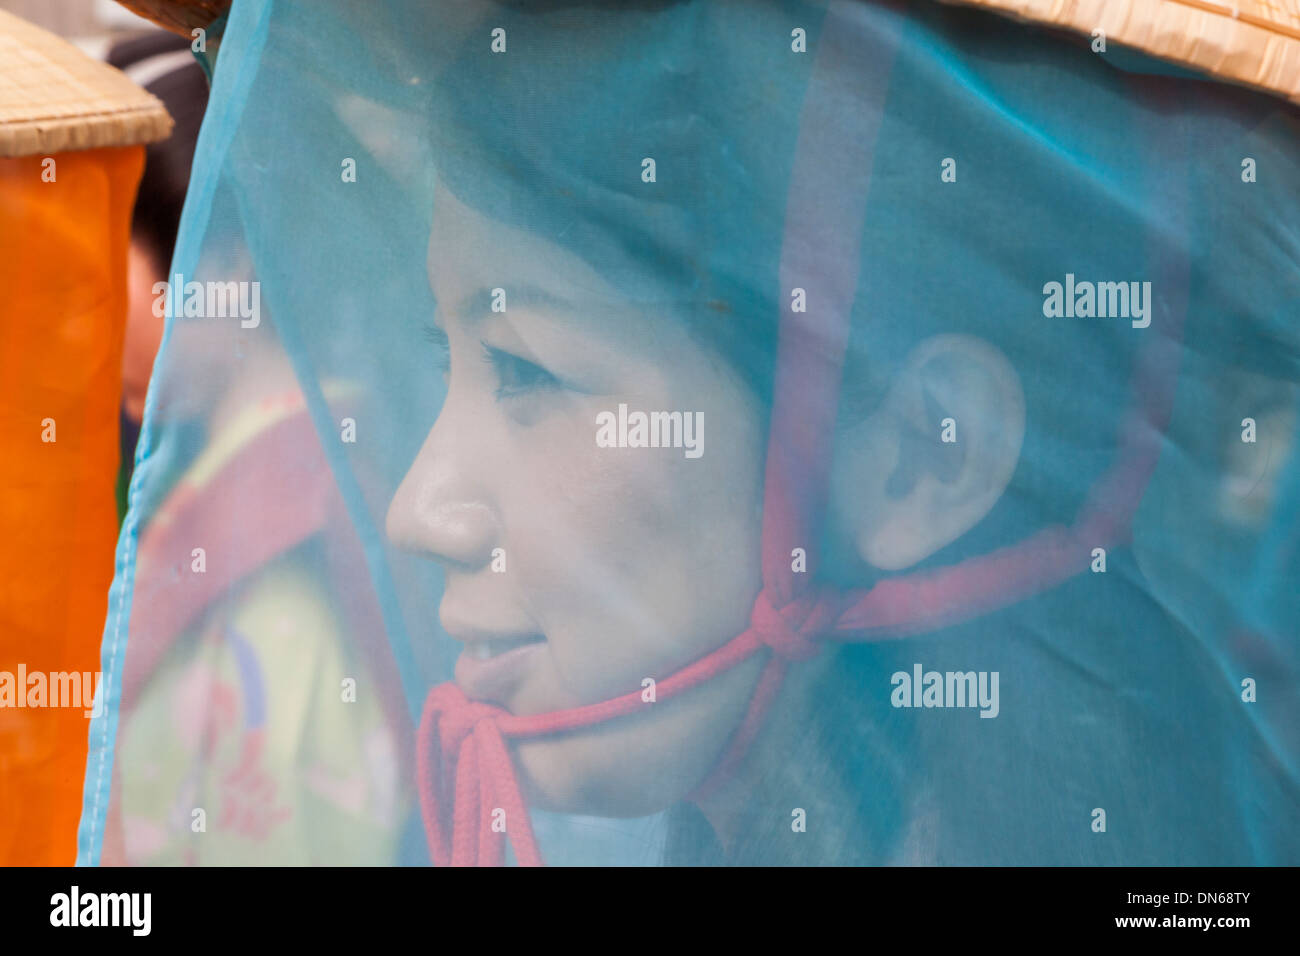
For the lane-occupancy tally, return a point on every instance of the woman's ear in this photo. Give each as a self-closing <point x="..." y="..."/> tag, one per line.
<point x="931" y="462"/>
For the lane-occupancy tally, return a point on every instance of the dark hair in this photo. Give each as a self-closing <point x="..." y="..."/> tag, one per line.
<point x="1058" y="173"/>
<point x="856" y="769"/>
<point x="184" y="91"/>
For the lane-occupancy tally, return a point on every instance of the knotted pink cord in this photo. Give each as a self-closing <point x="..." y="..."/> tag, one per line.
<point x="793" y="618"/>
<point x="475" y="733"/>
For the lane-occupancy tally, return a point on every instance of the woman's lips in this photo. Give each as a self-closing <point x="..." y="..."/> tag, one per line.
<point x="493" y="670"/>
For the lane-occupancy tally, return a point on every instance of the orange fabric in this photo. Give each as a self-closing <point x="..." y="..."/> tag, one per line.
<point x="63" y="260"/>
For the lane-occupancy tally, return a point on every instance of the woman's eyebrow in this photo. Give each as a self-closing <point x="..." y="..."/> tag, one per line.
<point x="479" y="304"/>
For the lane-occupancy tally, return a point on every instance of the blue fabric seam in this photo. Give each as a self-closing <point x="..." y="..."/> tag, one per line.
<point x="102" y="733"/>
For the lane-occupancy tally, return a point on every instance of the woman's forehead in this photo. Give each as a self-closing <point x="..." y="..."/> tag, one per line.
<point x="467" y="248"/>
<point x="472" y="254"/>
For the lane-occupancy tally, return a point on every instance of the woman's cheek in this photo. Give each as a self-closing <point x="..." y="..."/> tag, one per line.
<point x="634" y="561"/>
<point x="568" y="526"/>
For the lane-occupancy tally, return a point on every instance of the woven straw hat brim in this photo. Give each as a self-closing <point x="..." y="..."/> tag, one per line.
<point x="1252" y="42"/>
<point x="178" y="16"/>
<point x="54" y="98"/>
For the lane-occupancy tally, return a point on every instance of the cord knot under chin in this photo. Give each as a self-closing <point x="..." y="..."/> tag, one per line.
<point x="791" y="632"/>
<point x="457" y="715"/>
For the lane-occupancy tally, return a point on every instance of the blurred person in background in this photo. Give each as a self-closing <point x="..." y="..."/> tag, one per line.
<point x="162" y="63"/>
<point x="228" y="754"/>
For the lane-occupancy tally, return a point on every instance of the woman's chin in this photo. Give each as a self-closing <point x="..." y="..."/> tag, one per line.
<point x="594" y="772"/>
<point x="637" y="765"/>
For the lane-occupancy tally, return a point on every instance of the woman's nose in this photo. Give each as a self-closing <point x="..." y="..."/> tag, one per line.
<point x="441" y="508"/>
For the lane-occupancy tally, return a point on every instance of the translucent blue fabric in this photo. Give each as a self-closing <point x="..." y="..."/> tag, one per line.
<point x="465" y="238"/>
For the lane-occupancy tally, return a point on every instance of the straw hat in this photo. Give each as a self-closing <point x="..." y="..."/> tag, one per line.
<point x="54" y="98"/>
<point x="178" y="16"/>
<point x="1254" y="42"/>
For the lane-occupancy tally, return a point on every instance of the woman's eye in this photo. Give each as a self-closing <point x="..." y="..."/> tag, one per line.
<point x="515" y="375"/>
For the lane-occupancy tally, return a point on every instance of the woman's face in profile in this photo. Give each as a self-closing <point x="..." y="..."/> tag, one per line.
<point x="573" y="572"/>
